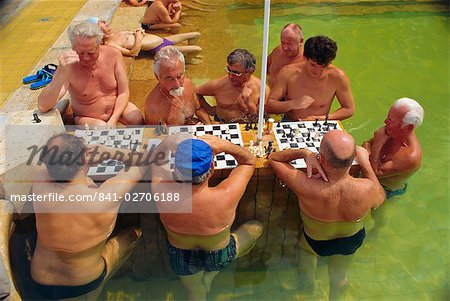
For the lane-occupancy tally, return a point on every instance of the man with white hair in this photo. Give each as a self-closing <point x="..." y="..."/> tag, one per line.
<point x="173" y="100"/>
<point x="290" y="51"/>
<point x="96" y="78"/>
<point x="395" y="152"/>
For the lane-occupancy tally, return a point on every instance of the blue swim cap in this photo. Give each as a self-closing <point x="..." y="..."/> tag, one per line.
<point x="193" y="157"/>
<point x="93" y="20"/>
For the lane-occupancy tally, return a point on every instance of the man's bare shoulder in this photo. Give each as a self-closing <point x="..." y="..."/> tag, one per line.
<point x="153" y="97"/>
<point x="336" y="73"/>
<point x="291" y="69"/>
<point x="110" y="52"/>
<point x="275" y="52"/>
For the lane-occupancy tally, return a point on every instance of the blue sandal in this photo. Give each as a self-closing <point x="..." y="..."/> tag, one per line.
<point x="46" y="76"/>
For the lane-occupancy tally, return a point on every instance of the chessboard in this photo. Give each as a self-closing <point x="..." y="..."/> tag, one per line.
<point x="302" y="134"/>
<point x="230" y="132"/>
<point x="123" y="138"/>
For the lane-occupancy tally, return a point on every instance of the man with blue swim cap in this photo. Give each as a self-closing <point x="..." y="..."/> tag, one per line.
<point x="200" y="242"/>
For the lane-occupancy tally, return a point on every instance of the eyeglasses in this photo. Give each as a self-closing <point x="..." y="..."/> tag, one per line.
<point x="232" y="72"/>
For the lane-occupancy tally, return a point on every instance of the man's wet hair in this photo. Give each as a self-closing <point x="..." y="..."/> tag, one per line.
<point x="169" y="55"/>
<point x="85" y="29"/>
<point x="320" y="49"/>
<point x="63" y="155"/>
<point x="244" y="57"/>
<point x="330" y="156"/>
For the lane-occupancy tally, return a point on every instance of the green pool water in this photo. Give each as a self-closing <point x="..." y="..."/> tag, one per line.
<point x="389" y="50"/>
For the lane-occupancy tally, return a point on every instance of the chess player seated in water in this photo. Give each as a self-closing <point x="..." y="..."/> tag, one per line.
<point x="173" y="100"/>
<point x="332" y="204"/>
<point x="395" y="152"/>
<point x="75" y="251"/>
<point x="200" y="241"/>
<point x="130" y="43"/>
<point x="306" y="90"/>
<point x="237" y="94"/>
<point x="95" y="77"/>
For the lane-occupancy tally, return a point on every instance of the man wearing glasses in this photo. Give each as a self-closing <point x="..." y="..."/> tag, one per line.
<point x="305" y="91"/>
<point x="96" y="78"/>
<point x="237" y="93"/>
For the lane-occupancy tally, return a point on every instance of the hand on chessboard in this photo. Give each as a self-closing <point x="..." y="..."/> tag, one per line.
<point x="217" y="144"/>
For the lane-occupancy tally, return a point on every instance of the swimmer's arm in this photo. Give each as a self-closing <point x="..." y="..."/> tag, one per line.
<point x="203" y="116"/>
<point x="164" y="16"/>
<point x="122" y="183"/>
<point x="368" y="145"/>
<point x="399" y="165"/>
<point x="235" y="184"/>
<point x="53" y="92"/>
<point x="123" y="92"/>
<point x="280" y="162"/>
<point x="279" y="90"/>
<point x="208" y="89"/>
<point x="362" y="157"/>
<point x="345" y="97"/>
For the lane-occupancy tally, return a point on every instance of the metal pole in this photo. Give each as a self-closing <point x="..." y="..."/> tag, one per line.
<point x="263" y="69"/>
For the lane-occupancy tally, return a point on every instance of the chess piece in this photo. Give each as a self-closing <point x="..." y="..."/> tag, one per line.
<point x="278" y="124"/>
<point x="316" y="123"/>
<point x="270" y="125"/>
<point x="309" y="136"/>
<point x="86" y="127"/>
<point x="36" y="118"/>
<point x="326" y="120"/>
<point x="247" y="126"/>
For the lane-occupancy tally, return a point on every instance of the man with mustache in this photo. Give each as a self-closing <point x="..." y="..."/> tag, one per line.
<point x="173" y="100"/>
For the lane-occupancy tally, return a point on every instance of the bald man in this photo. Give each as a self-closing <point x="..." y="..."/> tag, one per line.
<point x="290" y="51"/>
<point x="332" y="203"/>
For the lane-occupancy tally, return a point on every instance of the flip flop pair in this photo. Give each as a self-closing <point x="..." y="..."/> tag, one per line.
<point x="42" y="78"/>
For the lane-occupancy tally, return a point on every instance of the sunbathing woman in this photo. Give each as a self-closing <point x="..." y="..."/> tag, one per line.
<point x="130" y="43"/>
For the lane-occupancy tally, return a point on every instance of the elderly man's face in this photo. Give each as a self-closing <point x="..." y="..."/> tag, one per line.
<point x="290" y="43"/>
<point x="171" y="77"/>
<point x="87" y="49"/>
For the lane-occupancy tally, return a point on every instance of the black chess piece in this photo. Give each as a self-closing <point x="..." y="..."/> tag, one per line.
<point x="309" y="136"/>
<point x="316" y="123"/>
<point x="326" y="120"/>
<point x="246" y="126"/>
<point x="278" y="124"/>
<point x="36" y="118"/>
<point x="255" y="127"/>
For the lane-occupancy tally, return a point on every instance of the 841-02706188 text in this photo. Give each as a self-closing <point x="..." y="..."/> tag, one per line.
<point x="139" y="197"/>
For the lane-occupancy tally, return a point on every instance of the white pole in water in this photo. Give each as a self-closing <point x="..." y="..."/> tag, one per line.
<point x="263" y="68"/>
